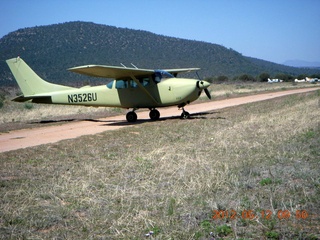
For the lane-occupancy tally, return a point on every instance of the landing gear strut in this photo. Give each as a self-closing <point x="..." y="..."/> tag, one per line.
<point x="184" y="114"/>
<point x="154" y="114"/>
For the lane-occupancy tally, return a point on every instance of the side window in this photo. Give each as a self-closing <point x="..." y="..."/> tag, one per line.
<point x="133" y="84"/>
<point x="144" y="81"/>
<point x="110" y="84"/>
<point x="120" y="84"/>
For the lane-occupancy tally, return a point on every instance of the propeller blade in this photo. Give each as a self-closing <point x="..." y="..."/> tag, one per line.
<point x="207" y="93"/>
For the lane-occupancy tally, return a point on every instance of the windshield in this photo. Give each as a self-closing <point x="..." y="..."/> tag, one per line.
<point x="161" y="74"/>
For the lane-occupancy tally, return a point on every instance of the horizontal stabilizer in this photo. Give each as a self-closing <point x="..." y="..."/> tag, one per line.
<point x="35" y="99"/>
<point x="21" y="98"/>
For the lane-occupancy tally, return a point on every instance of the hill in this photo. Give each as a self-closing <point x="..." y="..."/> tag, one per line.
<point x="51" y="49"/>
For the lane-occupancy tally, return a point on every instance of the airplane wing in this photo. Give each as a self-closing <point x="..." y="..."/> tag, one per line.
<point x="121" y="72"/>
<point x="180" y="70"/>
<point x="110" y="71"/>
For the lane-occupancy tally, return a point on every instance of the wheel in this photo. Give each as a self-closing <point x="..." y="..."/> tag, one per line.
<point x="154" y="114"/>
<point x="131" y="116"/>
<point x="185" y="115"/>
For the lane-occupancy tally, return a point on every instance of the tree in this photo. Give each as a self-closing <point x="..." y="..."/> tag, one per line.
<point x="283" y="76"/>
<point x="264" y="77"/>
<point x="246" y="77"/>
<point x="222" y="78"/>
<point x="302" y="76"/>
<point x="315" y="76"/>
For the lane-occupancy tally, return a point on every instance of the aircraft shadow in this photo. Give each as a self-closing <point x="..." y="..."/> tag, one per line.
<point x="55" y="121"/>
<point x="202" y="115"/>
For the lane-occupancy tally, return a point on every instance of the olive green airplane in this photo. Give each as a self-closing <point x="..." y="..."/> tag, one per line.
<point x="132" y="88"/>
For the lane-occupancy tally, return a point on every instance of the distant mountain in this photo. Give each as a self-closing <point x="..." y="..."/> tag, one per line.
<point x="301" y="63"/>
<point x="51" y="49"/>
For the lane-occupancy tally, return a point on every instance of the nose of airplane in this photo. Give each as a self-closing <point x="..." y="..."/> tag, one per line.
<point x="204" y="85"/>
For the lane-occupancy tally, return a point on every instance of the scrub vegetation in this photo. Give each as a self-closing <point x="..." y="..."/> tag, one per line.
<point x="246" y="172"/>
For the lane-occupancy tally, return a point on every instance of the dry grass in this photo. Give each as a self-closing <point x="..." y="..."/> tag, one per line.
<point x="169" y="176"/>
<point x="228" y="90"/>
<point x="23" y="112"/>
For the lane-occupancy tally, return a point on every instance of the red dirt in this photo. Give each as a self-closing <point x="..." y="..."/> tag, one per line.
<point x="32" y="137"/>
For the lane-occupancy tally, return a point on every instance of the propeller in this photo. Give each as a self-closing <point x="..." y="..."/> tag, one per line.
<point x="207" y="93"/>
<point x="204" y="85"/>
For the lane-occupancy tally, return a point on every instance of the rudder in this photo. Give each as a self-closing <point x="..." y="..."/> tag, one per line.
<point x="29" y="82"/>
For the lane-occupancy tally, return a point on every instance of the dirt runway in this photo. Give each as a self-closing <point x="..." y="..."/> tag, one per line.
<point x="32" y="137"/>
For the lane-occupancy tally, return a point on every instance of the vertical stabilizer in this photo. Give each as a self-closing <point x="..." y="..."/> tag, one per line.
<point x="29" y="82"/>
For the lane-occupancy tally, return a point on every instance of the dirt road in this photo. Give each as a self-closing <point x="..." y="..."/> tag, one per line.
<point x="32" y="137"/>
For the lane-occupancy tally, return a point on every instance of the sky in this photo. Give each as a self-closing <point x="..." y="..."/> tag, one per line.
<point x="272" y="30"/>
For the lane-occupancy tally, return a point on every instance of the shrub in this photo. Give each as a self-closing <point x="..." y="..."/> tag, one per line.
<point x="2" y="98"/>
<point x="28" y="105"/>
<point x="246" y="77"/>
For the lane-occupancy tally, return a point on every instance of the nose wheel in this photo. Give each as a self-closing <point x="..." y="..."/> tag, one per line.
<point x="184" y="114"/>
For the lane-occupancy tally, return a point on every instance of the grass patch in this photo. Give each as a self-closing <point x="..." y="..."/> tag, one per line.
<point x="266" y="181"/>
<point x="165" y="179"/>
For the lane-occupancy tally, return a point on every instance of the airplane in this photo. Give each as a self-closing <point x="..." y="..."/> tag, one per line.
<point x="132" y="88"/>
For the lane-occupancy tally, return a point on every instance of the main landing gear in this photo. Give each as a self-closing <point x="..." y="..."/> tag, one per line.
<point x="154" y="115"/>
<point x="132" y="116"/>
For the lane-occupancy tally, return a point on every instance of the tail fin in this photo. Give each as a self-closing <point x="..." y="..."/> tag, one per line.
<point x="29" y="82"/>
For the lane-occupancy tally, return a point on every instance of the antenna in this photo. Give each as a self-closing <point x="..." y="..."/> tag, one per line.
<point x="123" y="65"/>
<point x="198" y="75"/>
<point x="134" y="66"/>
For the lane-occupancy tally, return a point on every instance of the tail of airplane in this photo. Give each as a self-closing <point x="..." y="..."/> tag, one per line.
<point x="29" y="82"/>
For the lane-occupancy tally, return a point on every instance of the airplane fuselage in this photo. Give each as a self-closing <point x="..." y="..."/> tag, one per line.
<point x="166" y="93"/>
